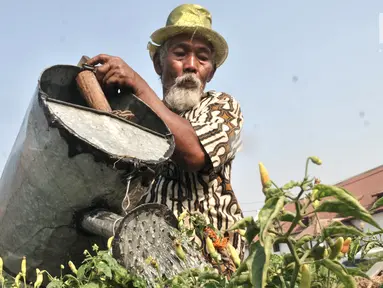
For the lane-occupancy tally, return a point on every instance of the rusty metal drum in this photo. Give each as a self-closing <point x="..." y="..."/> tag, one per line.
<point x="69" y="158"/>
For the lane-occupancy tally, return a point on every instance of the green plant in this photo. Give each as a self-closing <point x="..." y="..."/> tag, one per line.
<point x="100" y="270"/>
<point x="312" y="261"/>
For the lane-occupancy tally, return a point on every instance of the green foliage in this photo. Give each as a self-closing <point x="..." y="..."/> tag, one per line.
<point x="337" y="229"/>
<point x="345" y="210"/>
<point x="267" y="215"/>
<point x="339" y="271"/>
<point x="377" y="204"/>
<point x="312" y="260"/>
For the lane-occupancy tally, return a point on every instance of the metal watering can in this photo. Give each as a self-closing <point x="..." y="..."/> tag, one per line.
<point x="67" y="175"/>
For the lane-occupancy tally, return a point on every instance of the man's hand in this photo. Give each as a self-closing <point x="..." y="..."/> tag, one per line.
<point x="114" y="72"/>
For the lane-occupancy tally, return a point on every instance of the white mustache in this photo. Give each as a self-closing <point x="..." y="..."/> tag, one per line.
<point x="188" y="78"/>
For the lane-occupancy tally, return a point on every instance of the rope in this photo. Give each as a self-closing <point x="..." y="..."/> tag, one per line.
<point x="125" y="114"/>
<point x="114" y="225"/>
<point x="127" y="198"/>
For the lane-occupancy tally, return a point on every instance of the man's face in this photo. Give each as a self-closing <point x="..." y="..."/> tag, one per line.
<point x="185" y="69"/>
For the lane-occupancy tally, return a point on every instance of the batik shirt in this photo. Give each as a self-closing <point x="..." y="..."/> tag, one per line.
<point x="217" y="121"/>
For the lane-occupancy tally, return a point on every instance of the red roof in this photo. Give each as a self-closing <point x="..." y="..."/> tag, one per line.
<point x="367" y="187"/>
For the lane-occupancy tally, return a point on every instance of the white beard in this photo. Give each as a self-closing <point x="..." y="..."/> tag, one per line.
<point x="180" y="97"/>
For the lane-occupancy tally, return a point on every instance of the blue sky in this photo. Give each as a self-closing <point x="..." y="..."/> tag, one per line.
<point x="330" y="48"/>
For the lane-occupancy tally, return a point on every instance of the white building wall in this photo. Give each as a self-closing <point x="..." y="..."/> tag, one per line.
<point x="283" y="249"/>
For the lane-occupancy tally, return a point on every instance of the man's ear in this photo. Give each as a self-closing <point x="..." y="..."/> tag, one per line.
<point x="212" y="73"/>
<point x="157" y="64"/>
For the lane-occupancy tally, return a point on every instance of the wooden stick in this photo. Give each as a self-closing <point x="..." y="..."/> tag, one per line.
<point x="91" y="90"/>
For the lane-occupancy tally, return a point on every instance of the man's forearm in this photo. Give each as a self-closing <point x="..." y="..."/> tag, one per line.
<point x="188" y="151"/>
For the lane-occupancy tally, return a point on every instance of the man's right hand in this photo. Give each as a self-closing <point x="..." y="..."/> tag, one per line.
<point x="114" y="72"/>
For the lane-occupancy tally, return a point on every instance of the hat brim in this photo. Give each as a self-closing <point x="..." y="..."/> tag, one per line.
<point x="219" y="43"/>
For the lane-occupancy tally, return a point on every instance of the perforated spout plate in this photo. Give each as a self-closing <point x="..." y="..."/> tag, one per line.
<point x="150" y="231"/>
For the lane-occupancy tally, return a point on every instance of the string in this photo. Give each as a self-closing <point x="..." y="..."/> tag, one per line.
<point x="114" y="224"/>
<point x="127" y="198"/>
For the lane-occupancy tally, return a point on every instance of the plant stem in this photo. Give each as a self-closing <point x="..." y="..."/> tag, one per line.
<point x="379" y="232"/>
<point x="275" y="232"/>
<point x="308" y="214"/>
<point x="296" y="219"/>
<point x="290" y="197"/>
<point x="320" y="225"/>
<point x="299" y="194"/>
<point x="297" y="262"/>
<point x="307" y="169"/>
<point x="276" y="186"/>
<point x="307" y="253"/>
<point x="293" y="252"/>
<point x="294" y="276"/>
<point x="282" y="281"/>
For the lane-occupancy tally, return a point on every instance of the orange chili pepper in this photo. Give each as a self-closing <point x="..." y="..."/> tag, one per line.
<point x="346" y="245"/>
<point x="220" y="243"/>
<point x="265" y="179"/>
<point x="211" y="233"/>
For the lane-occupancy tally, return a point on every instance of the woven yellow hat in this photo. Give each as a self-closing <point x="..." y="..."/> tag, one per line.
<point x="193" y="19"/>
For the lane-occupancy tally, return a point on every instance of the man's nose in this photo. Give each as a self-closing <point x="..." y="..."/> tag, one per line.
<point x="190" y="64"/>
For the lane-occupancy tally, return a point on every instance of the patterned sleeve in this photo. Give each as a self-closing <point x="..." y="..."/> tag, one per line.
<point x="218" y="126"/>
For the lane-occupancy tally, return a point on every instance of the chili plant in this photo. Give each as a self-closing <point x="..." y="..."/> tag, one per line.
<point x="314" y="259"/>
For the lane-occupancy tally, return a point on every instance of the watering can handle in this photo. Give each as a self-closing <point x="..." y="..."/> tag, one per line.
<point x="90" y="88"/>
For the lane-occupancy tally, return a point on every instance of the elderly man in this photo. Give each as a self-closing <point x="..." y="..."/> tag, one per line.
<point x="206" y="125"/>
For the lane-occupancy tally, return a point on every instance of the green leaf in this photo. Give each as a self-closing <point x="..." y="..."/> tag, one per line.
<point x="291" y="185"/>
<point x="377" y="204"/>
<point x="255" y="263"/>
<point x="91" y="285"/>
<point x="357" y="272"/>
<point x="251" y="231"/>
<point x="287" y="216"/>
<point x="340" y="273"/>
<point x="346" y="210"/>
<point x="354" y="248"/>
<point x="336" y="223"/>
<point x="82" y="271"/>
<point x="317" y="284"/>
<point x="268" y="246"/>
<point x="55" y="283"/>
<point x="318" y="252"/>
<point x="338" y="229"/>
<point x="273" y="193"/>
<point x="103" y="268"/>
<point x="240" y="279"/>
<point x="329" y="190"/>
<point x="303" y="240"/>
<point x="70" y="279"/>
<point x="211" y="285"/>
<point x="347" y="199"/>
<point x="288" y="258"/>
<point x="268" y="213"/>
<point x="242" y="224"/>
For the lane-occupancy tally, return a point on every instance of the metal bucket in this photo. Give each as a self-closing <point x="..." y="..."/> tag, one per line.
<point x="68" y="158"/>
